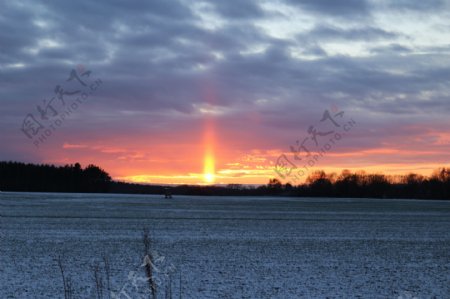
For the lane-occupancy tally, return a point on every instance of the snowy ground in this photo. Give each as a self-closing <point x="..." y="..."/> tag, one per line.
<point x="215" y="247"/>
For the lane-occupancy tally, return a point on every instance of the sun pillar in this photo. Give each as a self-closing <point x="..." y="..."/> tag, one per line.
<point x="209" y="159"/>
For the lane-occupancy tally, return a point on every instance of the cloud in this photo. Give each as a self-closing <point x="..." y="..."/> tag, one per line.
<point x="349" y="8"/>
<point x="419" y="6"/>
<point x="168" y="65"/>
<point x="368" y="33"/>
<point x="73" y="146"/>
<point x="238" y="9"/>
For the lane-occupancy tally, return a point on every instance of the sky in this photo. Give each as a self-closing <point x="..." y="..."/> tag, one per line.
<point x="202" y="92"/>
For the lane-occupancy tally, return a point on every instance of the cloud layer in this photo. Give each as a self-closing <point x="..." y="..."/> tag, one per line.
<point x="261" y="72"/>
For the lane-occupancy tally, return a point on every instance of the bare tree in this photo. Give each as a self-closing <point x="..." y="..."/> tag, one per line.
<point x="181" y="285"/>
<point x="98" y="280"/>
<point x="107" y="267"/>
<point x="68" y="290"/>
<point x="148" y="262"/>
<point x="169" y="287"/>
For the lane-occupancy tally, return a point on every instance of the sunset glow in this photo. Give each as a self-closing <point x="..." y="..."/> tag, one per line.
<point x="209" y="167"/>
<point x="209" y="170"/>
<point x="219" y="95"/>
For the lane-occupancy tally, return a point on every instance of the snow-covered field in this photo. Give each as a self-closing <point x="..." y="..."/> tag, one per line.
<point x="225" y="247"/>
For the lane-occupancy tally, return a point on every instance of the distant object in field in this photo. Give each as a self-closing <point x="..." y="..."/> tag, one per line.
<point x="168" y="194"/>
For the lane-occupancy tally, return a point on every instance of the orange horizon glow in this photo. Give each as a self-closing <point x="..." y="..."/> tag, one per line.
<point x="159" y="165"/>
<point x="209" y="175"/>
<point x="212" y="154"/>
<point x="209" y="169"/>
<point x="200" y="163"/>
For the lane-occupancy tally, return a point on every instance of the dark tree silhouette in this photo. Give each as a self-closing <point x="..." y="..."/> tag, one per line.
<point x="16" y="176"/>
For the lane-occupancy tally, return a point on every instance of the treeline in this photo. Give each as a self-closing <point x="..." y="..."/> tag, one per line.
<point x="320" y="184"/>
<point x="360" y="184"/>
<point x="15" y="176"/>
